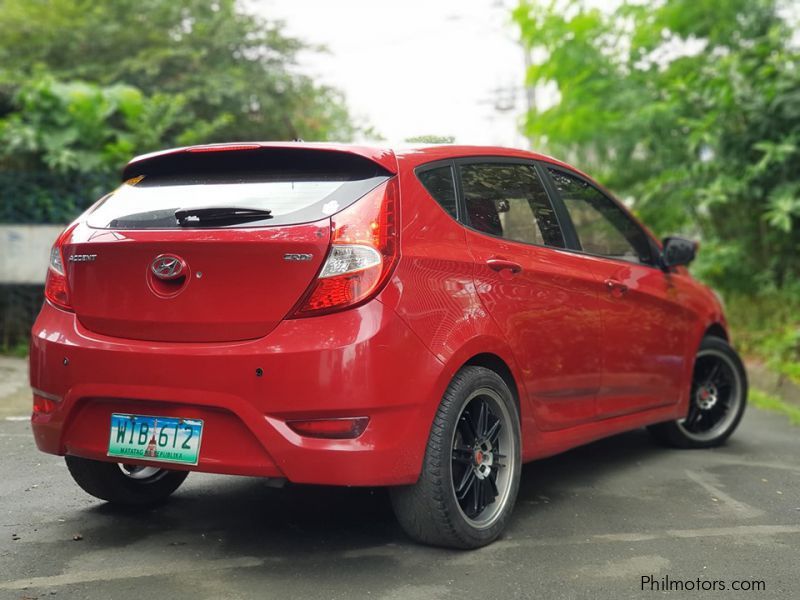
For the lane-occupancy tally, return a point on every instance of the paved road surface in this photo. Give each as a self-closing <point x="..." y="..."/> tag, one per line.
<point x="588" y="524"/>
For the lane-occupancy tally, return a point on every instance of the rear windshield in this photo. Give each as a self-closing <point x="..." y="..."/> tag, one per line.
<point x="295" y="186"/>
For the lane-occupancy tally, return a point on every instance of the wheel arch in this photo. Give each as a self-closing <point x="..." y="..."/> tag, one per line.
<point x="716" y="329"/>
<point x="490" y="352"/>
<point x="495" y="363"/>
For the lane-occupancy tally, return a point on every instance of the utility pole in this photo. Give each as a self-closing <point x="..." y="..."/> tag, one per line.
<point x="530" y="91"/>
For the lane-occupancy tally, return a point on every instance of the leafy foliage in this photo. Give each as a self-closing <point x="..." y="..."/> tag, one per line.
<point x="82" y="127"/>
<point x="766" y="325"/>
<point x="689" y="108"/>
<point x="86" y="85"/>
<point x="221" y="61"/>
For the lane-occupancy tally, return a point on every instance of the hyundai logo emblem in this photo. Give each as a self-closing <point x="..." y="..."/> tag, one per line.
<point x="168" y="266"/>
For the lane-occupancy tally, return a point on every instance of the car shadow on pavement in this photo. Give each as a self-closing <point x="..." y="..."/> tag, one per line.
<point x="242" y="516"/>
<point x="590" y="462"/>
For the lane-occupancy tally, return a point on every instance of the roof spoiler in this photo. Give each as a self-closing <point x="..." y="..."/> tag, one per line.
<point x="287" y="156"/>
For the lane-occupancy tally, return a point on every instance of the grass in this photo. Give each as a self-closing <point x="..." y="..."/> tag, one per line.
<point x="18" y="351"/>
<point x="773" y="403"/>
<point x="767" y="327"/>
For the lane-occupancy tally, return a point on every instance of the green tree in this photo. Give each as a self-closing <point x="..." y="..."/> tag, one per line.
<point x="63" y="146"/>
<point x="86" y="85"/>
<point x="690" y="109"/>
<point x="79" y="126"/>
<point x="230" y="68"/>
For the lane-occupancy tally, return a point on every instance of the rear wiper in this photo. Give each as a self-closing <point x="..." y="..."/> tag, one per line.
<point x="219" y="215"/>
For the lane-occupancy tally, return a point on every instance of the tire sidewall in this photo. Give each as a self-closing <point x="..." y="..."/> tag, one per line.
<point x="477" y="378"/>
<point x="106" y="481"/>
<point x="150" y="491"/>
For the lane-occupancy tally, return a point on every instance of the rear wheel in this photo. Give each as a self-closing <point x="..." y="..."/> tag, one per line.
<point x="717" y="399"/>
<point x="470" y="475"/>
<point x="124" y="484"/>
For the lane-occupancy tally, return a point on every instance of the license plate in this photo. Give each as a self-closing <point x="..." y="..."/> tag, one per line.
<point x="166" y="439"/>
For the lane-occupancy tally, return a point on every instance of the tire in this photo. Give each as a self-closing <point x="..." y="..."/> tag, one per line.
<point x="717" y="400"/>
<point x="429" y="511"/>
<point x="124" y="485"/>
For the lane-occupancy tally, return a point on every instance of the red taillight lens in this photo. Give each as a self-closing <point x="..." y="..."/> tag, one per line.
<point x="364" y="250"/>
<point x="346" y="428"/>
<point x="332" y="293"/>
<point x="56" y="289"/>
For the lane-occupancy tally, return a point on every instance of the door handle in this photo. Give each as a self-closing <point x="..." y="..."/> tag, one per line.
<point x="617" y="288"/>
<point x="501" y="264"/>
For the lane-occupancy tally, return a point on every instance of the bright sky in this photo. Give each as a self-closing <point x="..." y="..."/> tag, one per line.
<point x="423" y="67"/>
<point x="416" y="67"/>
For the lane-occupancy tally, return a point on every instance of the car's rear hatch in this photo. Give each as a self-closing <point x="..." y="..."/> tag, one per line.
<point x="240" y="270"/>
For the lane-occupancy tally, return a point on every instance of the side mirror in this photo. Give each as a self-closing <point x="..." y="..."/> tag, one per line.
<point x="678" y="251"/>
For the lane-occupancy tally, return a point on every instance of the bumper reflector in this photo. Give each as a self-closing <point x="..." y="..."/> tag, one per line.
<point x="42" y="406"/>
<point x="338" y="429"/>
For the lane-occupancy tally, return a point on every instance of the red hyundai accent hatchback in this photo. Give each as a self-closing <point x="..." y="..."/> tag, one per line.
<point x="426" y="319"/>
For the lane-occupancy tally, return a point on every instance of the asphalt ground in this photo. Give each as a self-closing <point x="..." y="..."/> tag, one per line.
<point x="590" y="523"/>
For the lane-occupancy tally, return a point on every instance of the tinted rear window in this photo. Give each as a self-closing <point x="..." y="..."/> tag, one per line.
<point x="439" y="183"/>
<point x="509" y="201"/>
<point x="297" y="186"/>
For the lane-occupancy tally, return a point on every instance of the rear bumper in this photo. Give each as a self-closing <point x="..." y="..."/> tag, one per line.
<point x="354" y="363"/>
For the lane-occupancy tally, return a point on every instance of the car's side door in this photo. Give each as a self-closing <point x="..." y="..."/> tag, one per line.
<point x="544" y="300"/>
<point x="645" y="324"/>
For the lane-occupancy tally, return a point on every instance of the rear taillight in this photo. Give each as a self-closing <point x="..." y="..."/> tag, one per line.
<point x="364" y="250"/>
<point x="56" y="289"/>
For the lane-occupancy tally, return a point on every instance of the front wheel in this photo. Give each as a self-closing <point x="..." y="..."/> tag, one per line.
<point x="124" y="484"/>
<point x="717" y="399"/>
<point x="471" y="471"/>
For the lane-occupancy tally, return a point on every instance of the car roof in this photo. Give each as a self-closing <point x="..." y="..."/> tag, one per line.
<point x="412" y="155"/>
<point x="428" y="152"/>
<point x="386" y="156"/>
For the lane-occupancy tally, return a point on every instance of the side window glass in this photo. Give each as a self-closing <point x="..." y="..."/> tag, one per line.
<point x="509" y="201"/>
<point x="439" y="183"/>
<point x="602" y="227"/>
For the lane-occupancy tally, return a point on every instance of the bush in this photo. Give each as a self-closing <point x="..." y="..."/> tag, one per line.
<point x="767" y="326"/>
<point x="47" y="197"/>
<point x="19" y="305"/>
